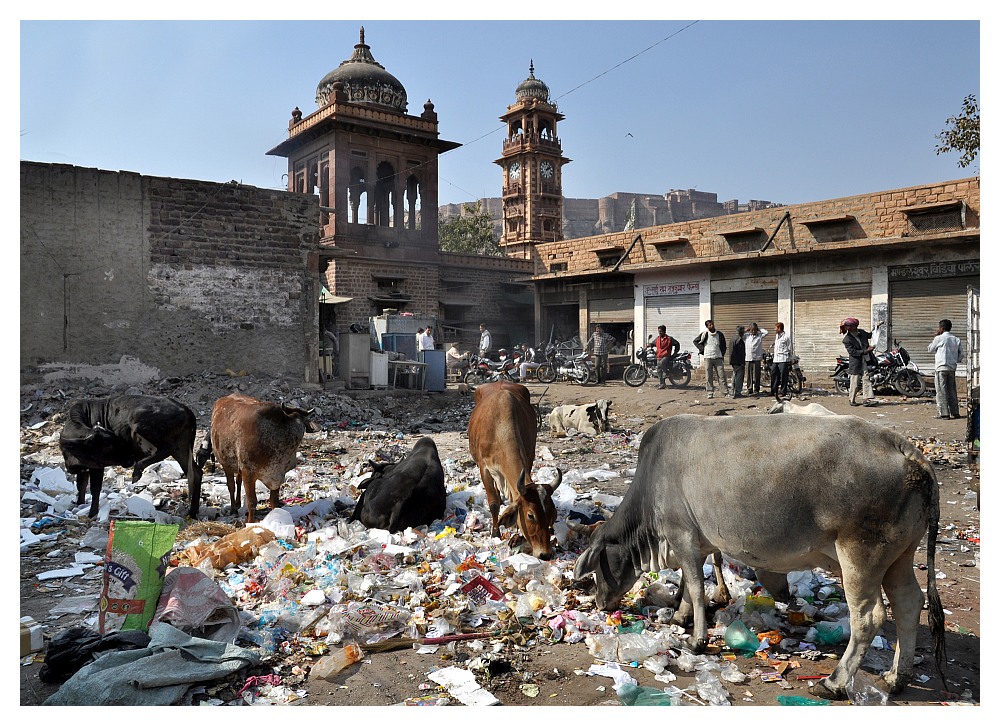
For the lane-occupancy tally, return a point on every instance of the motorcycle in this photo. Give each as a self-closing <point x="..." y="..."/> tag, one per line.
<point x="483" y="370"/>
<point x="578" y="368"/>
<point x="678" y="372"/>
<point x="893" y="370"/>
<point x="795" y="375"/>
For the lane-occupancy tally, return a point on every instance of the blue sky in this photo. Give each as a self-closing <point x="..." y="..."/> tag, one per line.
<point x="786" y="111"/>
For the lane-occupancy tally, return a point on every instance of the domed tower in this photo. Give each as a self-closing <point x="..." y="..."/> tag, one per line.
<point x="375" y="170"/>
<point x="532" y="163"/>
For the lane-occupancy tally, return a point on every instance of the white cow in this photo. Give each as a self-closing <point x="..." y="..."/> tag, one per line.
<point x="587" y="418"/>
<point x="808" y="409"/>
<point x="850" y="496"/>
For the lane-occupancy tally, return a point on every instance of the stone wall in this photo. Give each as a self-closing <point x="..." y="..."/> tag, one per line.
<point x="182" y="275"/>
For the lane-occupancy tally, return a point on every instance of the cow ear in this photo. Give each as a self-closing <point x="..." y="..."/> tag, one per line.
<point x="585" y="564"/>
<point x="508" y="517"/>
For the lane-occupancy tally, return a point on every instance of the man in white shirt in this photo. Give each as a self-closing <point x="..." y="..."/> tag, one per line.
<point x="712" y="344"/>
<point x="947" y="350"/>
<point x="484" y="340"/>
<point x="782" y="354"/>
<point x="427" y="339"/>
<point x="755" y="354"/>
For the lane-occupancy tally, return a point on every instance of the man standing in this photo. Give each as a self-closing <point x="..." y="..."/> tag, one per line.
<point x="484" y="340"/>
<point x="947" y="350"/>
<point x="427" y="339"/>
<point x="737" y="359"/>
<point x="712" y="345"/>
<point x="857" y="341"/>
<point x="665" y="348"/>
<point x="782" y="354"/>
<point x="754" y="355"/>
<point x="601" y="343"/>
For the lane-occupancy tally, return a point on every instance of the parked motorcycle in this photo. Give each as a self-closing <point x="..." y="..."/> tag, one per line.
<point x="795" y="375"/>
<point x="678" y="373"/>
<point x="483" y="370"/>
<point x="566" y="367"/>
<point x="893" y="370"/>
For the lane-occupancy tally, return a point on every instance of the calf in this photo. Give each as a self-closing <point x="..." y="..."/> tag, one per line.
<point x="587" y="418"/>
<point x="255" y="440"/>
<point x="502" y="434"/>
<point x="131" y="431"/>
<point x="851" y="496"/>
<point x="409" y="493"/>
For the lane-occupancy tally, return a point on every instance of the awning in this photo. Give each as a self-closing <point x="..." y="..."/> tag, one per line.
<point x="325" y="296"/>
<point x="457" y="302"/>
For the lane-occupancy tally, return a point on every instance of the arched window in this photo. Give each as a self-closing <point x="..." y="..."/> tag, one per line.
<point x="515" y="129"/>
<point x="385" y="195"/>
<point x="357" y="196"/>
<point x="413" y="192"/>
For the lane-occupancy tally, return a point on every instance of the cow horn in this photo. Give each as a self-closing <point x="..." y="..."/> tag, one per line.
<point x="554" y="484"/>
<point x="520" y="482"/>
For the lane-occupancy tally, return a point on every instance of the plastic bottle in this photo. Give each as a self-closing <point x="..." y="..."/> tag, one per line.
<point x="332" y="664"/>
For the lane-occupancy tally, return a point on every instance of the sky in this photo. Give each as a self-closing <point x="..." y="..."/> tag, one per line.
<point x="776" y="110"/>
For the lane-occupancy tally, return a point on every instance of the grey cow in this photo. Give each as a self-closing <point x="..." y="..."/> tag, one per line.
<point x="851" y="497"/>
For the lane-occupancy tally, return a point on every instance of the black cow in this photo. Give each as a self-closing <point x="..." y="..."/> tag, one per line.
<point x="408" y="493"/>
<point x="131" y="431"/>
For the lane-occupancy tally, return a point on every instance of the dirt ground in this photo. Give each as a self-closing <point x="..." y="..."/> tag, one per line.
<point x="526" y="668"/>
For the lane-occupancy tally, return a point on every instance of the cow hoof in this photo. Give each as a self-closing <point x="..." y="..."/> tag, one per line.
<point x="891" y="683"/>
<point x="819" y="689"/>
<point x="698" y="645"/>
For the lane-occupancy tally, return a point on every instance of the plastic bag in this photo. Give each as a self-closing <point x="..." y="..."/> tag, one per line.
<point x="632" y="695"/>
<point x="72" y="649"/>
<point x="135" y="564"/>
<point x="740" y="638"/>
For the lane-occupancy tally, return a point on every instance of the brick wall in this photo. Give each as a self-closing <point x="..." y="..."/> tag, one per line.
<point x="182" y="275"/>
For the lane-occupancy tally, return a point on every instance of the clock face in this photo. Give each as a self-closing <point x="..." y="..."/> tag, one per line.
<point x="546" y="169"/>
<point x="514" y="170"/>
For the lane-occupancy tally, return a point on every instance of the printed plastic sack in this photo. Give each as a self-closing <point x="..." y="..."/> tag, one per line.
<point x="134" y="567"/>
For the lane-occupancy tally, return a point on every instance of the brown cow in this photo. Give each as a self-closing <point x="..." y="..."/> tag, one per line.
<point x="254" y="440"/>
<point x="502" y="431"/>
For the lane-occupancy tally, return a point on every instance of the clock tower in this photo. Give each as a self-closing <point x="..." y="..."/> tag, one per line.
<point x="532" y="164"/>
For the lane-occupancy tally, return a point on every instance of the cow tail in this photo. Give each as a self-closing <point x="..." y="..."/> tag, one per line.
<point x="935" y="611"/>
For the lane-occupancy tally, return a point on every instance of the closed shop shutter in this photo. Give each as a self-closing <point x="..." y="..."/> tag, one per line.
<point x="732" y="309"/>
<point x="816" y="316"/>
<point x="679" y="314"/>
<point x="917" y="306"/>
<point x="617" y="310"/>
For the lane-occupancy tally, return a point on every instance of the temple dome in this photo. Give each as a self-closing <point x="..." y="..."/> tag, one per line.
<point x="364" y="81"/>
<point x="531" y="87"/>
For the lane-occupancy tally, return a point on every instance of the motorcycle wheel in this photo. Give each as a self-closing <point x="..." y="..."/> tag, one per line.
<point x="909" y="383"/>
<point x="842" y="384"/>
<point x="580" y="375"/>
<point x="635" y="375"/>
<point x="794" y="382"/>
<point x="472" y="378"/>
<point x="679" y="378"/>
<point x="545" y="373"/>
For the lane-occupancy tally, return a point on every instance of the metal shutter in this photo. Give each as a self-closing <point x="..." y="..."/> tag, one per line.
<point x="917" y="306"/>
<point x="816" y="316"/>
<point x="731" y="309"/>
<point x="616" y="310"/>
<point x="679" y="313"/>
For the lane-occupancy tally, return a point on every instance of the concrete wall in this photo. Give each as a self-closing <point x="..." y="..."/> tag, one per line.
<point x="182" y="275"/>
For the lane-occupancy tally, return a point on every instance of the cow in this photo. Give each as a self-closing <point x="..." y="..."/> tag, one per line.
<point x="851" y="497"/>
<point x="502" y="433"/>
<point x="131" y="431"/>
<point x="807" y="409"/>
<point x="255" y="440"/>
<point x="587" y="418"/>
<point x="408" y="493"/>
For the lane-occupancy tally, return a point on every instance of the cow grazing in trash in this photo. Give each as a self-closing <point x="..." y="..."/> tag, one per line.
<point x="255" y="440"/>
<point x="502" y="436"/>
<point x="587" y="418"/>
<point x="408" y="493"/>
<point x="851" y="497"/>
<point x="134" y="431"/>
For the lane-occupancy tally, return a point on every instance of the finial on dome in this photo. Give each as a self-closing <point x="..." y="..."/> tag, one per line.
<point x="531" y="68"/>
<point x="362" y="35"/>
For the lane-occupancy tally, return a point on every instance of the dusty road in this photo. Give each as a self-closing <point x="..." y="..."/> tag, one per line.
<point x="525" y="663"/>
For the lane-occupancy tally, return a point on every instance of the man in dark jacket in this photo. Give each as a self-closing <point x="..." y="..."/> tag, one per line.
<point x="857" y="341"/>
<point x="737" y="360"/>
